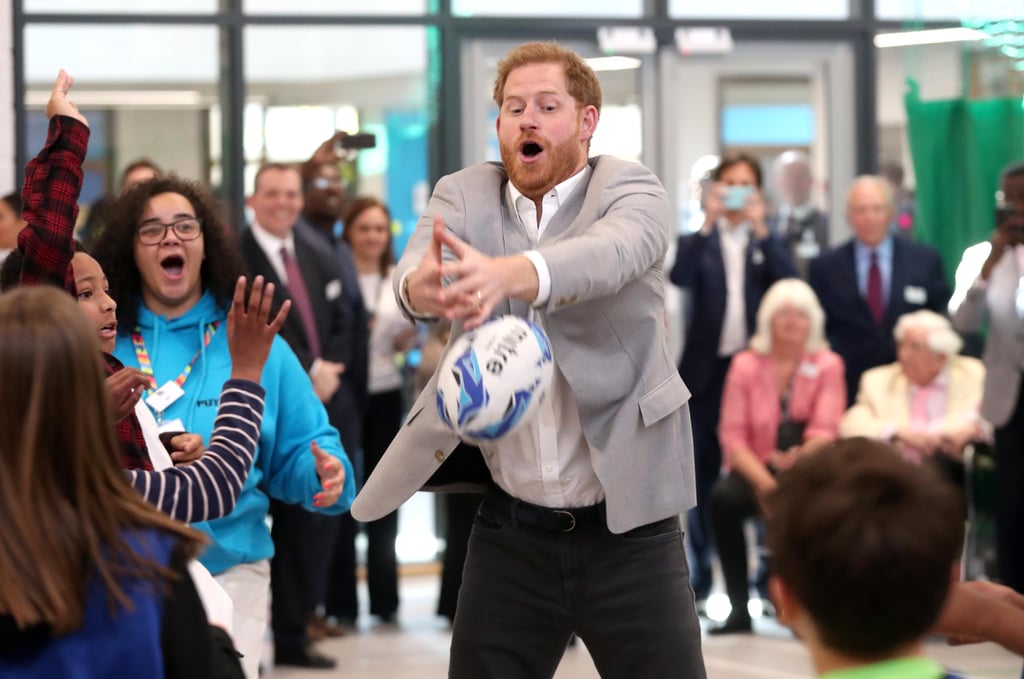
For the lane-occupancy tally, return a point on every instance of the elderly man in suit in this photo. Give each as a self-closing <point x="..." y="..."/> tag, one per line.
<point x="990" y="285"/>
<point x="927" y="402"/>
<point x="871" y="280"/>
<point x="726" y="267"/>
<point x="319" y="332"/>
<point x="579" y="528"/>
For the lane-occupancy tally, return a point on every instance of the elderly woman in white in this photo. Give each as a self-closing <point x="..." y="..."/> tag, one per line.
<point x="927" y="402"/>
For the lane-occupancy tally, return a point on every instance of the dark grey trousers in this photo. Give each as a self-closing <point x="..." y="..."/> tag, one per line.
<point x="524" y="591"/>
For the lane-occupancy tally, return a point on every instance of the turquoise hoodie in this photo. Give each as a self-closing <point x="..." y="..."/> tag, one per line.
<point x="293" y="418"/>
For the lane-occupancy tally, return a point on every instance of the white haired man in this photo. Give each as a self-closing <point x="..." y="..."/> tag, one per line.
<point x="927" y="401"/>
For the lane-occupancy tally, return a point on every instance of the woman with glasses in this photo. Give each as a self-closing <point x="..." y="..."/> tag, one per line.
<point x="172" y="266"/>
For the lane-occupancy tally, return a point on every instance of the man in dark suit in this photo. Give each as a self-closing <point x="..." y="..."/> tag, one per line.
<point x="319" y="333"/>
<point x="726" y="267"/>
<point x="867" y="283"/>
<point x="801" y="224"/>
<point x="325" y="199"/>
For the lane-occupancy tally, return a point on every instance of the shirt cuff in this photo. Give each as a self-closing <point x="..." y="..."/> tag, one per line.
<point x="317" y="362"/>
<point x="543" y="277"/>
<point x="404" y="303"/>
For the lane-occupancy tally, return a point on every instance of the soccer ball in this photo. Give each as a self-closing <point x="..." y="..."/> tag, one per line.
<point x="493" y="377"/>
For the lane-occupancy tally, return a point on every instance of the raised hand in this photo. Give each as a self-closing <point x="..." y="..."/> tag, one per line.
<point x="125" y="388"/>
<point x="59" y="104"/>
<point x="332" y="477"/>
<point x="424" y="283"/>
<point x="250" y="336"/>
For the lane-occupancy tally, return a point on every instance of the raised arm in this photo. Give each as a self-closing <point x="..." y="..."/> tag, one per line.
<point x="209" y="487"/>
<point x="53" y="180"/>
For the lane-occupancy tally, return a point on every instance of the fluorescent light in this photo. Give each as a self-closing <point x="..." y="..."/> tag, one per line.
<point x="613" y="63"/>
<point x="930" y="37"/>
<point x="123" y="98"/>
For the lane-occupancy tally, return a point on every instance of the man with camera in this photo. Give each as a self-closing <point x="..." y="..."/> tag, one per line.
<point x="991" y="288"/>
<point x="726" y="267"/>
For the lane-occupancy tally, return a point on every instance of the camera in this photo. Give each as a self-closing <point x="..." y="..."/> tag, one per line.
<point x="735" y="197"/>
<point x="359" y="140"/>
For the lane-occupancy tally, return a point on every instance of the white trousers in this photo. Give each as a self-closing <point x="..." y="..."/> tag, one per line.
<point x="248" y="585"/>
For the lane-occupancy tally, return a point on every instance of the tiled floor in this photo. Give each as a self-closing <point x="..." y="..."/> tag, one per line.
<point x="417" y="648"/>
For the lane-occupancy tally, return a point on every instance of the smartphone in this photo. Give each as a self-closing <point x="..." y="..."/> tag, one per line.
<point x="736" y="197"/>
<point x="359" y="140"/>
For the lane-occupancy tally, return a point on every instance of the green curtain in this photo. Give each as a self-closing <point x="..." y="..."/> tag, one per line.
<point x="959" y="148"/>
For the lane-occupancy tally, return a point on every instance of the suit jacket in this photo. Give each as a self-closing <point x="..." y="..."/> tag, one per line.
<point x="805" y="238"/>
<point x="751" y="408"/>
<point x="357" y="370"/>
<point x="995" y="302"/>
<point x="605" y="320"/>
<point x="918" y="282"/>
<point x="700" y="269"/>
<point x="333" y="321"/>
<point x="883" y="401"/>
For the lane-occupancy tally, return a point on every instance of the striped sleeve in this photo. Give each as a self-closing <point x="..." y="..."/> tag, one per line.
<point x="209" y="487"/>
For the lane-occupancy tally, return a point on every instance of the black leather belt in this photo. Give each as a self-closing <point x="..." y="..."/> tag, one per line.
<point x="548" y="519"/>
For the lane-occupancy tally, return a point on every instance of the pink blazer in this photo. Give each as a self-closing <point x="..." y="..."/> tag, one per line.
<point x="750" y="401"/>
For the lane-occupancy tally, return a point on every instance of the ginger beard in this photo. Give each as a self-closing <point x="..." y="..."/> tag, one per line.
<point x="534" y="179"/>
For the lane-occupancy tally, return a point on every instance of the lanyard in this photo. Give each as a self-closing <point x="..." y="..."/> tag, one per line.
<point x="146" y="365"/>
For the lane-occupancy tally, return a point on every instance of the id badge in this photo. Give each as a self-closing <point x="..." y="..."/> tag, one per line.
<point x="162" y="398"/>
<point x="175" y="425"/>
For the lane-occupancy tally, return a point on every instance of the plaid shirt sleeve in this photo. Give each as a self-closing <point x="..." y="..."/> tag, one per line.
<point x="53" y="180"/>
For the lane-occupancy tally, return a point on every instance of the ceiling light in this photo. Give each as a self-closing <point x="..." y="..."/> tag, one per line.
<point x="929" y="37"/>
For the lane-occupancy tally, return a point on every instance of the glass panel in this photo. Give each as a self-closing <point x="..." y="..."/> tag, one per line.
<point x="122" y="6"/>
<point x="146" y="105"/>
<point x="378" y="7"/>
<point x="757" y="9"/>
<point x="309" y="81"/>
<point x="565" y="8"/>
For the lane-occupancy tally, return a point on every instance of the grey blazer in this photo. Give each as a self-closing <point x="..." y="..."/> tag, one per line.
<point x="605" y="318"/>
<point x="1004" y="345"/>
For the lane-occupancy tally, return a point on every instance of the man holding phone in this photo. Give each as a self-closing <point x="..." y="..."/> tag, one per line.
<point x="726" y="267"/>
<point x="994" y="291"/>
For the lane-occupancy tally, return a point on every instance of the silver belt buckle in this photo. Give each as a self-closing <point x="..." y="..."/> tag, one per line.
<point x="572" y="526"/>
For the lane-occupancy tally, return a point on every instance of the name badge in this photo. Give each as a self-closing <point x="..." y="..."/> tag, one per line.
<point x="808" y="370"/>
<point x="163" y="397"/>
<point x="807" y="249"/>
<point x="175" y="425"/>
<point x="332" y="290"/>
<point x="915" y="294"/>
<point x="757" y="257"/>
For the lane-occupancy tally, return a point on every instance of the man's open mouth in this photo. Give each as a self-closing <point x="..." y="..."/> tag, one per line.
<point x="530" y="149"/>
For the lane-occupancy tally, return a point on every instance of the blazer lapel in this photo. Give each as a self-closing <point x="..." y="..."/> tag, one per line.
<point x="846" y="275"/>
<point x="897" y="283"/>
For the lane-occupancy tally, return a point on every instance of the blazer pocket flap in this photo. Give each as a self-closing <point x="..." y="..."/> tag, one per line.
<point x="664" y="399"/>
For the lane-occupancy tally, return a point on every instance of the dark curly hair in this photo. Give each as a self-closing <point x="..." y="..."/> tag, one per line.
<point x="116" y="248"/>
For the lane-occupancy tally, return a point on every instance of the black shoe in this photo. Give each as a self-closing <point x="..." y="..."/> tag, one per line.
<point x="303" y="657"/>
<point x="734" y="624"/>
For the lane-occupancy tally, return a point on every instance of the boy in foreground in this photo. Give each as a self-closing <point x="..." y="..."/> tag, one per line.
<point x="865" y="548"/>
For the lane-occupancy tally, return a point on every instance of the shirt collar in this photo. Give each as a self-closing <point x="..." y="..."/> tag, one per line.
<point x="559" y="194"/>
<point x="900" y="668"/>
<point x="270" y="243"/>
<point x="863" y="250"/>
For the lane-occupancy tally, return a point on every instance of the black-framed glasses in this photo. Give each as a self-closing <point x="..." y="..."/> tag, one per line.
<point x="153" y="233"/>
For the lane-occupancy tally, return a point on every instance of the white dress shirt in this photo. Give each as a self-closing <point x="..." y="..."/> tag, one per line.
<point x="547" y="462"/>
<point x="271" y="246"/>
<point x="734" y="240"/>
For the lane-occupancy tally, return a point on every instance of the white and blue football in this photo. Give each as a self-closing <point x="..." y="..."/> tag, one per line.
<point x="492" y="378"/>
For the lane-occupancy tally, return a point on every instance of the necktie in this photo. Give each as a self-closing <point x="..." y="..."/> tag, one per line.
<point x="874" y="296"/>
<point x="300" y="298"/>
<point x="919" y="420"/>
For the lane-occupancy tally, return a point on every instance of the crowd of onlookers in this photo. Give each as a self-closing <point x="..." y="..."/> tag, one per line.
<point x="791" y="343"/>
